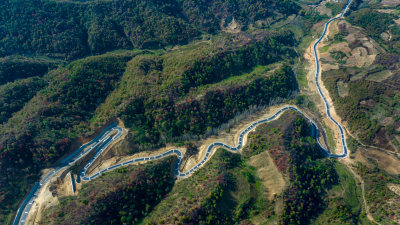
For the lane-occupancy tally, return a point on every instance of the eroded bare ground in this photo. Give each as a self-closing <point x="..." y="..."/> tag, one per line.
<point x="395" y="188"/>
<point x="322" y="9"/>
<point x="269" y="175"/>
<point x="49" y="196"/>
<point x="60" y="186"/>
<point x="312" y="91"/>
<point x="356" y="49"/>
<point x="391" y="3"/>
<point x="385" y="161"/>
<point x="230" y="137"/>
<point x="362" y="56"/>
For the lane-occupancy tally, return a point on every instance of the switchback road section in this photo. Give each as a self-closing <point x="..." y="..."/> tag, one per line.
<point x="105" y="139"/>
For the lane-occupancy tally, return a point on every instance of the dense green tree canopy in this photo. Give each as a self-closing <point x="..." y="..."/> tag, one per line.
<point x="71" y="29"/>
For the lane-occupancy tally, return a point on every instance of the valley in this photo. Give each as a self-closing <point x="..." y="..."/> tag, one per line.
<point x="284" y="116"/>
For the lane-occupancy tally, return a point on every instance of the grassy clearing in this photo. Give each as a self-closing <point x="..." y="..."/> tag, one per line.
<point x="330" y="137"/>
<point x="305" y="43"/>
<point x="301" y="76"/>
<point x="266" y="189"/>
<point x="300" y="67"/>
<point x="324" y="49"/>
<point x="350" y="189"/>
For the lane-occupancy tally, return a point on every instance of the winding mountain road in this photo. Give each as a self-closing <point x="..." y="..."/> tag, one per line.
<point x="102" y="141"/>
<point x="317" y="73"/>
<point x="99" y="143"/>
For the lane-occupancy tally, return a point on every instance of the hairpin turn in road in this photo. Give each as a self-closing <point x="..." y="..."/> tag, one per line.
<point x="106" y="138"/>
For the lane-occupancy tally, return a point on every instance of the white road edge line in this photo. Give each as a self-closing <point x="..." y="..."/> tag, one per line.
<point x="104" y="140"/>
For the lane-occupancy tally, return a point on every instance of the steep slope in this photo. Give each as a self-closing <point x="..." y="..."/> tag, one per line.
<point x="73" y="29"/>
<point x="163" y="96"/>
<point x="362" y="77"/>
<point x="42" y="131"/>
<point x="14" y="95"/>
<point x="360" y="62"/>
<point x="233" y="189"/>
<point x="19" y="67"/>
<point x="122" y="196"/>
<point x="46" y="127"/>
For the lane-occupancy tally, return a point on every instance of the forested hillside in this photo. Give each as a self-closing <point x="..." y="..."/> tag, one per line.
<point x="298" y="156"/>
<point x="18" y="67"/>
<point x="232" y="188"/>
<point x="180" y="73"/>
<point x="40" y="133"/>
<point x="73" y="29"/>
<point x="14" y="95"/>
<point x="123" y="196"/>
<point x="70" y="103"/>
<point x="363" y="79"/>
